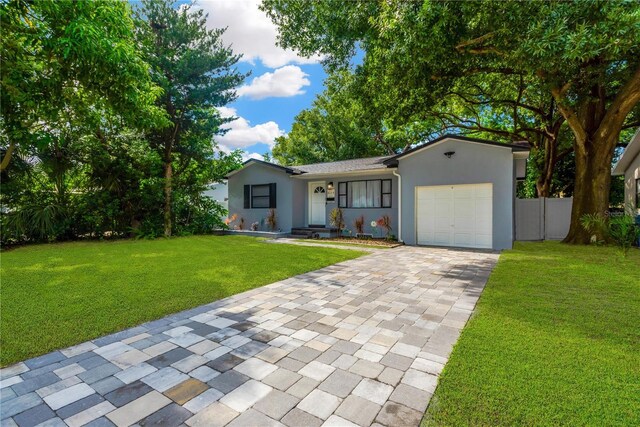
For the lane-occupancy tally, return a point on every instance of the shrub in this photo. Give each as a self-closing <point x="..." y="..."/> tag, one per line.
<point x="620" y="230"/>
<point x="271" y="220"/>
<point x="359" y="224"/>
<point x="385" y="223"/>
<point x="336" y="218"/>
<point x="254" y="226"/>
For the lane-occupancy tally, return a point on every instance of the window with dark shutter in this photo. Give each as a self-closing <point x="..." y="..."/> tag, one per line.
<point x="262" y="196"/>
<point x="272" y="195"/>
<point x="247" y="196"/>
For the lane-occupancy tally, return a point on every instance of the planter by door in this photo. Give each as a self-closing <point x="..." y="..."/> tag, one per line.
<point x="455" y="215"/>
<point x="317" y="203"/>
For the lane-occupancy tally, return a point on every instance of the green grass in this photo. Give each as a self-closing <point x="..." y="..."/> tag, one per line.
<point x="54" y="296"/>
<point x="555" y="341"/>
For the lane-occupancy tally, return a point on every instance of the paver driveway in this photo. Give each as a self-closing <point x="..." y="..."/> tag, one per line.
<point x="360" y="342"/>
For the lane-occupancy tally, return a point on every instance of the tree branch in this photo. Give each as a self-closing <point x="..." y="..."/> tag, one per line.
<point x="6" y="159"/>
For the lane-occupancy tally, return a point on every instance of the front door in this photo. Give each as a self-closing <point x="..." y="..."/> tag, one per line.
<point x="317" y="203"/>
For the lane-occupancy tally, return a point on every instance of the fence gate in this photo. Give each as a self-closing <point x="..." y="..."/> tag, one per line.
<point x="543" y="218"/>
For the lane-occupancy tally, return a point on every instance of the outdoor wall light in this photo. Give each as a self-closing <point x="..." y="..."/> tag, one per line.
<point x="449" y="154"/>
<point x="330" y="185"/>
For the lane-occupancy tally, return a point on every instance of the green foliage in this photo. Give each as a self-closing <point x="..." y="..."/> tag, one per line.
<point x="84" y="106"/>
<point x="621" y="230"/>
<point x="339" y="125"/>
<point x="521" y="69"/>
<point x="197" y="74"/>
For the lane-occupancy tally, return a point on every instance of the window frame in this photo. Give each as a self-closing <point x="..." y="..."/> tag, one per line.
<point x="637" y="193"/>
<point x="343" y="191"/>
<point x="269" y="196"/>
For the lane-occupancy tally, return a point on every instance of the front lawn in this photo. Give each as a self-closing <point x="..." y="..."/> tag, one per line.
<point x="555" y="341"/>
<point x="54" y="296"/>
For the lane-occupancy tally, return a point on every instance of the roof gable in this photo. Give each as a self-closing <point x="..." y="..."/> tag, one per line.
<point x="251" y="162"/>
<point x="630" y="152"/>
<point x="512" y="147"/>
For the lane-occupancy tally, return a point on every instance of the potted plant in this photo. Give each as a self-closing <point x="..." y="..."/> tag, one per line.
<point x="336" y="219"/>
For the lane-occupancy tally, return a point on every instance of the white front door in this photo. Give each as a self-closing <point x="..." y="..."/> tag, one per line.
<point x="455" y="215"/>
<point x="317" y="203"/>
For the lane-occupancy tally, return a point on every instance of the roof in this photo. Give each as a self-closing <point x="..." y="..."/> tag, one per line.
<point x="371" y="163"/>
<point x="368" y="163"/>
<point x="249" y="162"/>
<point x="630" y="152"/>
<point x="513" y="147"/>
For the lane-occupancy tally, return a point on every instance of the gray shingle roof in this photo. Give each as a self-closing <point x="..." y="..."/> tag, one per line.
<point x="368" y="163"/>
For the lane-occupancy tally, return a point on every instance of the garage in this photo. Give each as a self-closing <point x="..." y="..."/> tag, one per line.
<point x="455" y="215"/>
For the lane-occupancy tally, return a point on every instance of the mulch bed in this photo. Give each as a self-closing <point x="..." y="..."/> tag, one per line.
<point x="368" y="242"/>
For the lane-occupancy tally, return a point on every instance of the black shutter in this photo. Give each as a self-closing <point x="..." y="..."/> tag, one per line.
<point x="272" y="195"/>
<point x="247" y="197"/>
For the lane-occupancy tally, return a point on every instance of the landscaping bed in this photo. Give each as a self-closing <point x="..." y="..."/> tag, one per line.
<point x="554" y="341"/>
<point x="361" y="241"/>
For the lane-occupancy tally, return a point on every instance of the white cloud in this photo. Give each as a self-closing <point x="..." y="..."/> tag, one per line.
<point x="250" y="32"/>
<point x="282" y="83"/>
<point x="241" y="134"/>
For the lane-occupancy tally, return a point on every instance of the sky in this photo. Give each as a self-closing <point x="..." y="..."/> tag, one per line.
<point x="281" y="83"/>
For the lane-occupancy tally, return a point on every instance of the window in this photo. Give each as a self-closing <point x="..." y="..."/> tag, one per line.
<point x="375" y="193"/>
<point x="261" y="196"/>
<point x="638" y="193"/>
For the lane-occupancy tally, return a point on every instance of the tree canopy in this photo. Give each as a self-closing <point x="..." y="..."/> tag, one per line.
<point x="83" y="102"/>
<point x="581" y="57"/>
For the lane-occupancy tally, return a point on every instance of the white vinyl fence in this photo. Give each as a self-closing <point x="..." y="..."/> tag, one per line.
<point x="543" y="218"/>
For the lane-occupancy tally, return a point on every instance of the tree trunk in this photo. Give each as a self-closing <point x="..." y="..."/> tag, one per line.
<point x="168" y="175"/>
<point x="6" y="158"/>
<point x="543" y="184"/>
<point x="592" y="182"/>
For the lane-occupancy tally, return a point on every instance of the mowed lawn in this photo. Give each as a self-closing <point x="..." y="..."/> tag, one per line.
<point x="54" y="296"/>
<point x="555" y="341"/>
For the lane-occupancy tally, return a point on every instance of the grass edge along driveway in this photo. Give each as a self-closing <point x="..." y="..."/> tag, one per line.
<point x="57" y="295"/>
<point x="555" y="341"/>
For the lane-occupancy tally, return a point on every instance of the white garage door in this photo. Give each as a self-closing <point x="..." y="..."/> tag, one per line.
<point x="455" y="215"/>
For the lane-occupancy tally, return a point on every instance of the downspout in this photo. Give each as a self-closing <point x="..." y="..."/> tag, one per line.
<point x="395" y="172"/>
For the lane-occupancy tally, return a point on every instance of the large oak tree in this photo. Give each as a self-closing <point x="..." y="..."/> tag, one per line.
<point x="585" y="55"/>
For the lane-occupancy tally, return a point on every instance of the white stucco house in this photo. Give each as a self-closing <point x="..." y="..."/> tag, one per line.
<point x="629" y="166"/>
<point x="452" y="191"/>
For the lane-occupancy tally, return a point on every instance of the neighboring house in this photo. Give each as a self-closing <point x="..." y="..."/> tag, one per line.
<point x="453" y="191"/>
<point x="629" y="166"/>
<point x="218" y="192"/>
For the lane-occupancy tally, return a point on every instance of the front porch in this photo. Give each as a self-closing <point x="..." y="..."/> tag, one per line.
<point x="314" y="232"/>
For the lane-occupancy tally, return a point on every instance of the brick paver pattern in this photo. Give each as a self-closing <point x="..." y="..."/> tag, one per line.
<point x="361" y="342"/>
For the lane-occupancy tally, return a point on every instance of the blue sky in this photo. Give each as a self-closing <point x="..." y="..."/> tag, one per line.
<point x="281" y="83"/>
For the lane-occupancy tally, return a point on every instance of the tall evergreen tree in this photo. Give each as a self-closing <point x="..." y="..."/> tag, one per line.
<point x="197" y="74"/>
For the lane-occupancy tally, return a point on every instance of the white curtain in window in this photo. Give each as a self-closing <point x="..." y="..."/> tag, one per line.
<point x="357" y="194"/>
<point x="373" y="194"/>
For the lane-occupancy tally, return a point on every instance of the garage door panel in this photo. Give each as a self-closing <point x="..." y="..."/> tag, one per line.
<point x="455" y="215"/>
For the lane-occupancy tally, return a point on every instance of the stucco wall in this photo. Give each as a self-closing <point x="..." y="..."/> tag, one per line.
<point x="257" y="174"/>
<point x="351" y="214"/>
<point x="631" y="174"/>
<point x="471" y="164"/>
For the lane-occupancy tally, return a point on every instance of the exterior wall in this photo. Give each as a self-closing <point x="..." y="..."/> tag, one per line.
<point x="471" y="164"/>
<point x="350" y="214"/>
<point x="630" y="175"/>
<point x="218" y="192"/>
<point x="261" y="174"/>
